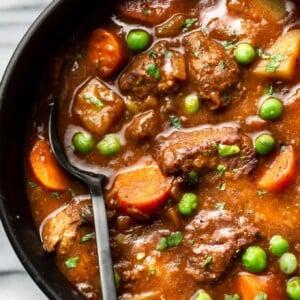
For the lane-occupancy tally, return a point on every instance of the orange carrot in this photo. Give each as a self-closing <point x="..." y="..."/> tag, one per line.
<point x="45" y="168"/>
<point x="250" y="286"/>
<point x="144" y="189"/>
<point x="105" y="50"/>
<point x="281" y="173"/>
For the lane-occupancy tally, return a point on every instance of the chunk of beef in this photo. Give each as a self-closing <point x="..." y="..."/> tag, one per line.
<point x="211" y="69"/>
<point x="158" y="71"/>
<point x="184" y="151"/>
<point x="143" y="126"/>
<point x="218" y="237"/>
<point x="151" y="13"/>
<point x="97" y="106"/>
<point x="58" y="230"/>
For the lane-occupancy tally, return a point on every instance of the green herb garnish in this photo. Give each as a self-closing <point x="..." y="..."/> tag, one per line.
<point x="274" y="62"/>
<point x="98" y="103"/>
<point x="222" y="64"/>
<point x="261" y="296"/>
<point x="87" y="237"/>
<point x="208" y="261"/>
<point x="72" y="262"/>
<point x="220" y="206"/>
<point x="221" y="170"/>
<point x="226" y="150"/>
<point x="153" y="71"/>
<point x="168" y="54"/>
<point x="188" y="23"/>
<point x="171" y="241"/>
<point x="232" y="297"/>
<point x="175" y="122"/>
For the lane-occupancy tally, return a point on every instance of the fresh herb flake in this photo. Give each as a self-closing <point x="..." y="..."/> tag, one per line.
<point x="221" y="170"/>
<point x="151" y="272"/>
<point x="72" y="262"/>
<point x="171" y="241"/>
<point x="222" y="186"/>
<point x="32" y="184"/>
<point x="208" y="261"/>
<point x="229" y="44"/>
<point x="55" y="195"/>
<point x="193" y="177"/>
<point x="145" y="11"/>
<point x="188" y="23"/>
<point x="168" y="54"/>
<point x="222" y="65"/>
<point x="175" y="122"/>
<point x="261" y="296"/>
<point x="98" y="103"/>
<point x="261" y="193"/>
<point x="162" y="244"/>
<point x="87" y="237"/>
<point x="220" y="206"/>
<point x="153" y="71"/>
<point x="225" y="98"/>
<point x="261" y="54"/>
<point x="232" y="297"/>
<point x="274" y="63"/>
<point x="226" y="150"/>
<point x="153" y="54"/>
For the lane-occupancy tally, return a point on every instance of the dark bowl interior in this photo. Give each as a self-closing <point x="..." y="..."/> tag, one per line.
<point x="17" y="92"/>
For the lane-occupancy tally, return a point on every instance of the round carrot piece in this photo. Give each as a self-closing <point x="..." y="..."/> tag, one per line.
<point x="46" y="169"/>
<point x="144" y="189"/>
<point x="105" y="50"/>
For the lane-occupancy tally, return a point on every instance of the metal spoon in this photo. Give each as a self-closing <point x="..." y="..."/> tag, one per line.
<point x="93" y="181"/>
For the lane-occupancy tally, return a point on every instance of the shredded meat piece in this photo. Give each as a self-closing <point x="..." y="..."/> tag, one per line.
<point x="59" y="230"/>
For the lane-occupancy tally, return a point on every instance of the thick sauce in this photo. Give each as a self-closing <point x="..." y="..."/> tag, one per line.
<point x="145" y="110"/>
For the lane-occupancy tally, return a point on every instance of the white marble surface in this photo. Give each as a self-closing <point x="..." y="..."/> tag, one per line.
<point x="15" y="18"/>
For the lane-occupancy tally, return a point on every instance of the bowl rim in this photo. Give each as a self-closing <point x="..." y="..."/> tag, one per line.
<point x="31" y="32"/>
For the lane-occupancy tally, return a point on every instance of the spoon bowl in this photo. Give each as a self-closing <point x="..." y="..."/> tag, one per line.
<point x="93" y="181"/>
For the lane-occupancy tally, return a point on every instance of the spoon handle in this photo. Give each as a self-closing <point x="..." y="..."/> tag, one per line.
<point x="108" y="285"/>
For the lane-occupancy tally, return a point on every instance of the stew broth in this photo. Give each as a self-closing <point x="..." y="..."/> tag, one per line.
<point x="160" y="153"/>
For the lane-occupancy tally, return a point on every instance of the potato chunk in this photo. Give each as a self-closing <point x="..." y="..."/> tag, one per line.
<point x="270" y="10"/>
<point x="97" y="106"/>
<point x="283" y="57"/>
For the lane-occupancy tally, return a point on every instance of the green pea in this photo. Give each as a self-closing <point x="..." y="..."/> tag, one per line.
<point x="83" y="142"/>
<point x="244" y="53"/>
<point x="293" y="288"/>
<point x="264" y="144"/>
<point x="109" y="145"/>
<point x="271" y="109"/>
<point x="278" y="245"/>
<point x="254" y="259"/>
<point x="202" y="295"/>
<point x="188" y="204"/>
<point x="138" y="40"/>
<point x="191" y="104"/>
<point x="288" y="263"/>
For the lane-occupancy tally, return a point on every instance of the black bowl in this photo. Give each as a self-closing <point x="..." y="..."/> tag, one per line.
<point x="17" y="94"/>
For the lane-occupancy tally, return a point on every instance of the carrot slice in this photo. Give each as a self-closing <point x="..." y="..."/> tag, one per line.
<point x="143" y="189"/>
<point x="45" y="168"/>
<point x="251" y="285"/>
<point x="281" y="173"/>
<point x="105" y="50"/>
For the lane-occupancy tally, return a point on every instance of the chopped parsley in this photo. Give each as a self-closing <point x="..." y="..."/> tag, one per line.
<point x="32" y="184"/>
<point x="72" y="262"/>
<point x="98" y="103"/>
<point x="261" y="193"/>
<point x="146" y="11"/>
<point x="188" y="23"/>
<point x="261" y="296"/>
<point x="153" y="54"/>
<point x="274" y="63"/>
<point x="222" y="186"/>
<point x="261" y="54"/>
<point x="229" y="44"/>
<point x="55" y="195"/>
<point x="87" y="237"/>
<point x="153" y="71"/>
<point x="232" y="297"/>
<point x="225" y="98"/>
<point x="117" y="279"/>
<point x="208" y="261"/>
<point x="220" y="205"/>
<point x="151" y="272"/>
<point x="221" y="170"/>
<point x="193" y="177"/>
<point x="197" y="54"/>
<point x="175" y="122"/>
<point x="222" y="65"/>
<point x="226" y="150"/>
<point x="168" y="54"/>
<point x="172" y="240"/>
